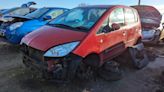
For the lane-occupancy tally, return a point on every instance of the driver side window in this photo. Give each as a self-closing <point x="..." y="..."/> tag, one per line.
<point x="117" y="16"/>
<point x="105" y="23"/>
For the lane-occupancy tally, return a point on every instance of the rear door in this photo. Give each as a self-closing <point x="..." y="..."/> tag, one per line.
<point x="132" y="27"/>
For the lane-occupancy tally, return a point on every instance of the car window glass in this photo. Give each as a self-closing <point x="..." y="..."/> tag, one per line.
<point x="21" y="11"/>
<point x="54" y="13"/>
<point x="105" y="23"/>
<point x="80" y="18"/>
<point x="135" y="15"/>
<point x="38" y="13"/>
<point x="117" y="16"/>
<point x="129" y="16"/>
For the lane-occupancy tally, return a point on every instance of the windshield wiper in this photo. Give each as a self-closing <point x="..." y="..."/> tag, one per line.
<point x="82" y="28"/>
<point x="62" y="25"/>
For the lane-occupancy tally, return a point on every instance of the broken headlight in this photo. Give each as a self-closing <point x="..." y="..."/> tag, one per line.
<point x="15" y="25"/>
<point x="61" y="50"/>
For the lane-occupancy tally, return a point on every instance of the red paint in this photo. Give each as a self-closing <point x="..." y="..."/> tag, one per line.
<point x="149" y="12"/>
<point x="116" y="41"/>
<point x="48" y="37"/>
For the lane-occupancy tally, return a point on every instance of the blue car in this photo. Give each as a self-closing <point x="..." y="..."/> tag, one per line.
<point x="15" y="32"/>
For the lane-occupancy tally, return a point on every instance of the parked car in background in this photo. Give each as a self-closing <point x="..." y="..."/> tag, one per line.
<point x="150" y="21"/>
<point x="1" y="10"/>
<point x="85" y="40"/>
<point x="162" y="28"/>
<point x="16" y="31"/>
<point x="16" y="11"/>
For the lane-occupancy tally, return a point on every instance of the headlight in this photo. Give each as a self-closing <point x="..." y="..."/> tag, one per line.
<point x="15" y="25"/>
<point x="61" y="50"/>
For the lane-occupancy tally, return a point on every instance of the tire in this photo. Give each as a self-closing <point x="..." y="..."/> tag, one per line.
<point x="110" y="74"/>
<point x="138" y="56"/>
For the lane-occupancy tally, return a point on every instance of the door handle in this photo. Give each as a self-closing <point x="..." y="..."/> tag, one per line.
<point x="124" y="34"/>
<point x="101" y="41"/>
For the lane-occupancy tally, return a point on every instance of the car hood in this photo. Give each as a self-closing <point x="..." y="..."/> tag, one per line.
<point x="47" y="37"/>
<point x="7" y="18"/>
<point x="30" y="26"/>
<point x="150" y="16"/>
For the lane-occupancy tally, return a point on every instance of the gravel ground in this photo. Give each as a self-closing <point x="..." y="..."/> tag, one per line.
<point x="15" y="78"/>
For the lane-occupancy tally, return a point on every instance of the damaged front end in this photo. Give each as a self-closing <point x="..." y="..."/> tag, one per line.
<point x="61" y="69"/>
<point x="151" y="36"/>
<point x="9" y="20"/>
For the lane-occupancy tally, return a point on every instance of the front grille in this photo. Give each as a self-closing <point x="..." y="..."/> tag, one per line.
<point x="33" y="53"/>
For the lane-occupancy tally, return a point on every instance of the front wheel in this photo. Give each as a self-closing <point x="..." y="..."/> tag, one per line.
<point x="110" y="71"/>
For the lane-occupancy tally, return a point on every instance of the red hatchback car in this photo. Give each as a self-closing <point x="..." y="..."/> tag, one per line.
<point x="84" y="40"/>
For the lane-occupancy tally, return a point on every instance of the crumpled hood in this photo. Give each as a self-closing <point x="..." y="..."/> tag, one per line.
<point x="8" y="18"/>
<point x="149" y="15"/>
<point x="47" y="37"/>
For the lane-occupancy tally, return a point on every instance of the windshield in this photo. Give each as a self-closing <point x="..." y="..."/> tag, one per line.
<point x="38" y="13"/>
<point x="8" y="10"/>
<point x="79" y="18"/>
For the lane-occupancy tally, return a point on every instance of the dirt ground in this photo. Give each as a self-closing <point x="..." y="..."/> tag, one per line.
<point x="14" y="77"/>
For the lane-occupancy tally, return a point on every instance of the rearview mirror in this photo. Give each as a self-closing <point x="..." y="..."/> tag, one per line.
<point x="47" y="18"/>
<point x="115" y="26"/>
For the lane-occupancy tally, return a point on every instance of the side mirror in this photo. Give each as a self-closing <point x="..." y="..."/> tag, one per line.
<point x="47" y="17"/>
<point x="115" y="26"/>
<point x="106" y="29"/>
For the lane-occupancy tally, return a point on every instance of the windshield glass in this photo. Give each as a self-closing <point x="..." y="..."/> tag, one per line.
<point x="79" y="18"/>
<point x="38" y="13"/>
<point x="8" y="10"/>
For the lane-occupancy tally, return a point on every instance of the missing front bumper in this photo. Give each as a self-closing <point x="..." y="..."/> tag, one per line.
<point x="63" y="69"/>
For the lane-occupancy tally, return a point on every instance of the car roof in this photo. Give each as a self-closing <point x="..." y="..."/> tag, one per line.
<point x="102" y="6"/>
<point x="142" y="6"/>
<point x="55" y="8"/>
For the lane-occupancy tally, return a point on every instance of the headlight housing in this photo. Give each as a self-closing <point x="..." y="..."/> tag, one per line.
<point x="61" y="50"/>
<point x="15" y="25"/>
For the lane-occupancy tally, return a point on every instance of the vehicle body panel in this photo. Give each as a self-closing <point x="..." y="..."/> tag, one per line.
<point x="99" y="43"/>
<point x="105" y="44"/>
<point x="44" y="40"/>
<point x="150" y="22"/>
<point x="15" y="36"/>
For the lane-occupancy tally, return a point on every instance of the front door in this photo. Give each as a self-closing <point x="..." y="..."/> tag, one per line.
<point x="113" y="40"/>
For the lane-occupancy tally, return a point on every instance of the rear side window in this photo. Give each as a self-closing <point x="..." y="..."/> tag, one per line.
<point x="129" y="16"/>
<point x="136" y="15"/>
<point x="117" y="16"/>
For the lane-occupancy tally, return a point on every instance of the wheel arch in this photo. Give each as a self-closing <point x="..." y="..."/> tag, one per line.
<point x="97" y="59"/>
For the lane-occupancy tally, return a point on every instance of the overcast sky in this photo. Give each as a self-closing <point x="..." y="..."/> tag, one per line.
<point x="74" y="3"/>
